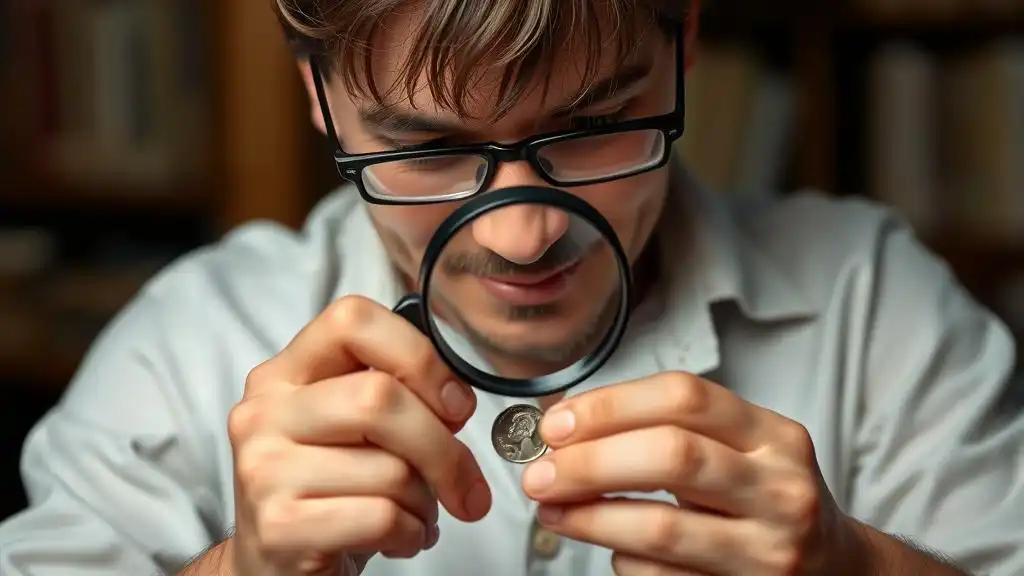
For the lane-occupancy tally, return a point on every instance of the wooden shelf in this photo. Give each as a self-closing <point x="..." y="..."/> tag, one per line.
<point x="971" y="21"/>
<point x="968" y="251"/>
<point x="733" y="17"/>
<point x="56" y="196"/>
<point x="28" y="355"/>
<point x="48" y="331"/>
<point x="982" y="266"/>
<point x="44" y="369"/>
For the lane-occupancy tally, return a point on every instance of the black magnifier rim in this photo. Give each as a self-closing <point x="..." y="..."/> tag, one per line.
<point x="550" y="383"/>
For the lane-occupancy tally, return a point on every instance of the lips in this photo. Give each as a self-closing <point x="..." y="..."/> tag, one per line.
<point x="531" y="289"/>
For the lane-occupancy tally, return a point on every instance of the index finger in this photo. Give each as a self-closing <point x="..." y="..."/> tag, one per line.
<point x="356" y="333"/>
<point x="372" y="409"/>
<point x="669" y="399"/>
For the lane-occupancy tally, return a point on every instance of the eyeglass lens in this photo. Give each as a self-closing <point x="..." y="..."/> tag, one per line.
<point x="573" y="161"/>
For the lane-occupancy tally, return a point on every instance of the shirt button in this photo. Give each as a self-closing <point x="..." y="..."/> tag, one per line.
<point x="546" y="543"/>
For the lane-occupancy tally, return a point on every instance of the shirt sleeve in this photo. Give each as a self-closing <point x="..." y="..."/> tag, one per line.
<point x="115" y="473"/>
<point x="940" y="442"/>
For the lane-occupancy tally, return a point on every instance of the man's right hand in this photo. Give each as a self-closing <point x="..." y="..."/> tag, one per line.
<point x="343" y="445"/>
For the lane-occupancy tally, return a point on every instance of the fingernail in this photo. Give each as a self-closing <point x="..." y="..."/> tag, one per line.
<point x="456" y="400"/>
<point x="558" y="425"/>
<point x="433" y="534"/>
<point x="549" y="514"/>
<point x="478" y="500"/>
<point x="539" y="476"/>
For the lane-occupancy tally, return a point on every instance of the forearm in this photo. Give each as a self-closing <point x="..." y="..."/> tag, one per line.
<point x="898" y="556"/>
<point x="217" y="561"/>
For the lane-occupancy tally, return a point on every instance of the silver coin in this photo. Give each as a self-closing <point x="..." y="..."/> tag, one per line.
<point x="516" y="434"/>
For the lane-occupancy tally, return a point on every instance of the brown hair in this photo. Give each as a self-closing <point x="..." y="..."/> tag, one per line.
<point x="459" y="40"/>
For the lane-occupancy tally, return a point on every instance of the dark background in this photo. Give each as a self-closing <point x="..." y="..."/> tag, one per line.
<point x="136" y="130"/>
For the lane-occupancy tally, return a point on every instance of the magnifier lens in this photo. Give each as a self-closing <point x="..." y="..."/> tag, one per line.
<point x="525" y="291"/>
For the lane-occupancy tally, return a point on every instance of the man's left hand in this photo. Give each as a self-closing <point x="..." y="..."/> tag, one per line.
<point x="751" y="500"/>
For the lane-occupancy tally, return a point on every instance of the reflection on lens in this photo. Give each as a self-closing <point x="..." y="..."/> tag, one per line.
<point x="525" y="291"/>
<point x="449" y="176"/>
<point x="609" y="155"/>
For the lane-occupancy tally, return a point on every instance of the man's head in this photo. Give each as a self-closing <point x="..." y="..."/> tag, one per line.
<point x="436" y="74"/>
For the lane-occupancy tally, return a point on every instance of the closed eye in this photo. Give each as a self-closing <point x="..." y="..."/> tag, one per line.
<point x="597" y="121"/>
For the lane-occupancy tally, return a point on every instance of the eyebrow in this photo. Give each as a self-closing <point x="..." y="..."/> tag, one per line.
<point x="391" y="120"/>
<point x="623" y="80"/>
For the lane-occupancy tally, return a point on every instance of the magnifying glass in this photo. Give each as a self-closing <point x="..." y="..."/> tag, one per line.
<point x="525" y="292"/>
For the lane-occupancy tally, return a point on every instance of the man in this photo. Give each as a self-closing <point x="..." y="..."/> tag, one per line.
<point x="801" y="382"/>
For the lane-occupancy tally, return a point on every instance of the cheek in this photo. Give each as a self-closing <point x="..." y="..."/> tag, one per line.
<point x="406" y="230"/>
<point x="631" y="206"/>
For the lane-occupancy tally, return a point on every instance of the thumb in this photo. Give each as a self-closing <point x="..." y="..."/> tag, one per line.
<point x="354" y="564"/>
<point x="328" y="565"/>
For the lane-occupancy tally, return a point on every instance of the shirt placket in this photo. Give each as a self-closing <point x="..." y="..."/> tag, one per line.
<point x="548" y="554"/>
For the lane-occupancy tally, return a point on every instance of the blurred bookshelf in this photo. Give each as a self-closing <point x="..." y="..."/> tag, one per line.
<point x="132" y="132"/>
<point x="136" y="130"/>
<point x="916" y="103"/>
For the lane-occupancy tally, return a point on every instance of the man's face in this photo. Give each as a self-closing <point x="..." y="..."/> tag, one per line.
<point x="528" y="283"/>
<point x="487" y="283"/>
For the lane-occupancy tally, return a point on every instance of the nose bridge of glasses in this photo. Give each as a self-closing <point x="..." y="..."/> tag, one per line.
<point x="515" y="173"/>
<point x="513" y="166"/>
<point x="514" y="152"/>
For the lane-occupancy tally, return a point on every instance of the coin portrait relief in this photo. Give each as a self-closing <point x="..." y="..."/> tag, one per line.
<point x="516" y="434"/>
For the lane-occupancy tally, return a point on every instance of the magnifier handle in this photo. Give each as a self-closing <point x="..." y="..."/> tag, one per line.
<point x="410" y="307"/>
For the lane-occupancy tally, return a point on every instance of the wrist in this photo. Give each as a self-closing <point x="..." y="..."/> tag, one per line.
<point x="860" y="550"/>
<point x="854" y="552"/>
<point x="876" y="553"/>
<point x="217" y="561"/>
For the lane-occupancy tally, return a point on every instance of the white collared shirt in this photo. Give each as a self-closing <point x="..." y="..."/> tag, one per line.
<point x="826" y="311"/>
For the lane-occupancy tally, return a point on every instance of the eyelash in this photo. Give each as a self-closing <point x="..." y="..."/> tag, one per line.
<point x="575" y="123"/>
<point x="597" y="121"/>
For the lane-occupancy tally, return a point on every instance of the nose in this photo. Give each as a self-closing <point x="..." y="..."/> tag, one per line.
<point x="520" y="233"/>
<point x="520" y="173"/>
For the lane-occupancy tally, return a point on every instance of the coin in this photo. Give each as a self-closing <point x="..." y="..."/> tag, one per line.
<point x="516" y="434"/>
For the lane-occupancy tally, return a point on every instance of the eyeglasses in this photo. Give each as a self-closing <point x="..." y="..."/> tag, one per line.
<point x="429" y="175"/>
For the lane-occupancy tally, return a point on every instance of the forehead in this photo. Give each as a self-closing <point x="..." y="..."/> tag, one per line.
<point x="483" y="74"/>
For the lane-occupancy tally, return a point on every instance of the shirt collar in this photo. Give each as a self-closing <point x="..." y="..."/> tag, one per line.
<point x="365" y="268"/>
<point x="674" y="329"/>
<point x="731" y="265"/>
<point x="706" y="260"/>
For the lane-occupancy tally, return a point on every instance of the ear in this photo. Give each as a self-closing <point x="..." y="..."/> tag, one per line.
<point x="692" y="30"/>
<point x="314" y="104"/>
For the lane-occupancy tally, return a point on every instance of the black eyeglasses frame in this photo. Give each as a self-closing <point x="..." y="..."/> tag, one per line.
<point x="350" y="166"/>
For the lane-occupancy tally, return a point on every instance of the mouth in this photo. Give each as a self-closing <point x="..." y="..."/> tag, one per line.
<point x="532" y="289"/>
